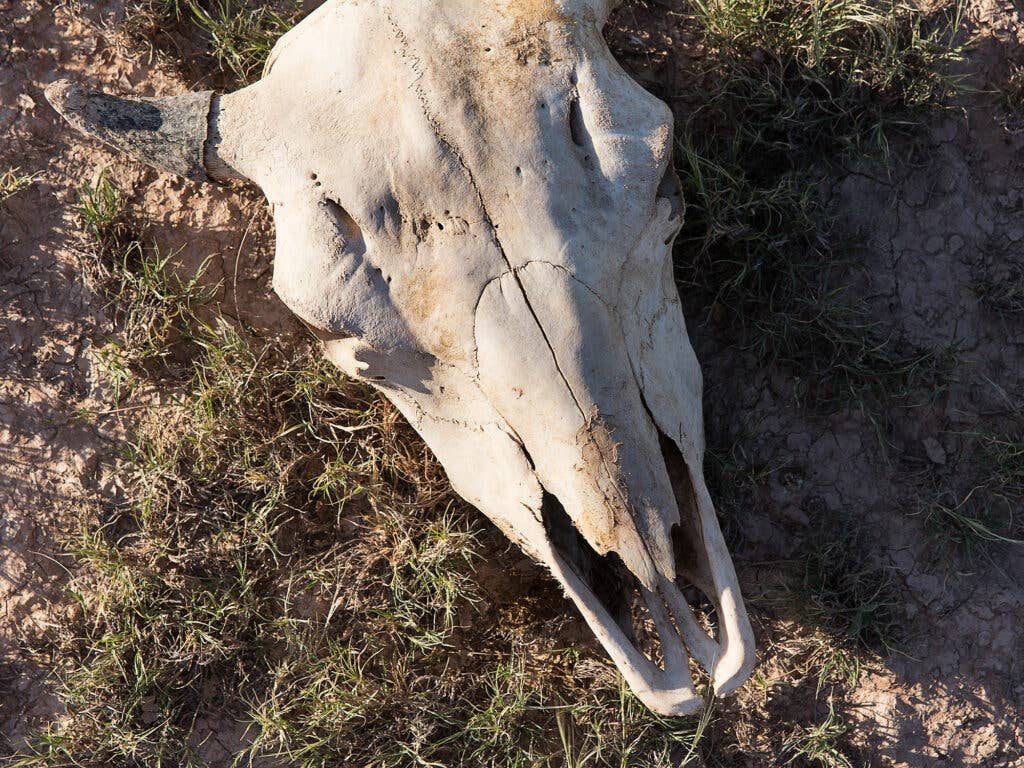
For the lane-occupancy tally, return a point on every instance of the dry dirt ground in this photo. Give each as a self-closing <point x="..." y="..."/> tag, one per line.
<point x="949" y="207"/>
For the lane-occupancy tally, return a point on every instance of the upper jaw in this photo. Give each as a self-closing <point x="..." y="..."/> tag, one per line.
<point x="666" y="686"/>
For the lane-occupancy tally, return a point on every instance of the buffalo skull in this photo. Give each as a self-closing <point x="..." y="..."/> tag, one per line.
<point x="475" y="209"/>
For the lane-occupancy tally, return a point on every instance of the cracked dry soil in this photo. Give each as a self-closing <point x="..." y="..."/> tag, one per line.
<point x="949" y="208"/>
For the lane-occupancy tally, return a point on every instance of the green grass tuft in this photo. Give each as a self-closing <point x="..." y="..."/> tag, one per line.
<point x="800" y="86"/>
<point x="1000" y="290"/>
<point x="1013" y="91"/>
<point x="990" y="512"/>
<point x="242" y="36"/>
<point x="843" y="591"/>
<point x="102" y="211"/>
<point x="759" y="258"/>
<point x="814" y="74"/>
<point x="151" y="307"/>
<point x="236" y="35"/>
<point x="820" y="745"/>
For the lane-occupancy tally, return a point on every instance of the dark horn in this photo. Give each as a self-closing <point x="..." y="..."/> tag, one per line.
<point x="170" y="133"/>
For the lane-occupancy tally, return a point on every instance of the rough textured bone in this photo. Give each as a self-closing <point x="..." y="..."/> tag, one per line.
<point x="476" y="206"/>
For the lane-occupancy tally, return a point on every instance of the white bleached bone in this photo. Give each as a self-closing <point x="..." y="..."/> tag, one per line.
<point x="476" y="206"/>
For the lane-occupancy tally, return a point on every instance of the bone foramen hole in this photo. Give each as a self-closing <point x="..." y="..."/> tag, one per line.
<point x="577" y="127"/>
<point x="671" y="189"/>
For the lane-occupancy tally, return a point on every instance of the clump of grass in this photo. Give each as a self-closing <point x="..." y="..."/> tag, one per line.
<point x="232" y="553"/>
<point x="1013" y="91"/>
<point x="820" y="745"/>
<point x="801" y="652"/>
<point x="990" y="512"/>
<point x="1002" y="453"/>
<point x="238" y="35"/>
<point x="844" y="592"/>
<point x="971" y="521"/>
<point x="814" y="74"/>
<point x="507" y="713"/>
<point x="798" y="86"/>
<point x="818" y="653"/>
<point x="149" y="304"/>
<point x="153" y="307"/>
<point x="103" y="214"/>
<point x="1000" y="290"/>
<point x="838" y="611"/>
<point x="241" y="37"/>
<point x="759" y="256"/>
<point x="148" y="24"/>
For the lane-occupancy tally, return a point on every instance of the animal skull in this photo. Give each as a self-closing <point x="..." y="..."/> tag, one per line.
<point x="475" y="208"/>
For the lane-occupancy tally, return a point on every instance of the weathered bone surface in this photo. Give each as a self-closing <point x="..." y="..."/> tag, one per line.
<point x="475" y="206"/>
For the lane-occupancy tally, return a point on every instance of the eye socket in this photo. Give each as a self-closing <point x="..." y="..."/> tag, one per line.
<point x="671" y="189"/>
<point x="347" y="228"/>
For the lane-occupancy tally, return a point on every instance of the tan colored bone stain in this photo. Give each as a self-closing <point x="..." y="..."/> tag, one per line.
<point x="533" y="12"/>
<point x="423" y="304"/>
<point x="600" y="461"/>
<point x="538" y="30"/>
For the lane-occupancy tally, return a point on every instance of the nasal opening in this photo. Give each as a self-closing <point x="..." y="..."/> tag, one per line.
<point x="606" y="575"/>
<point x="643" y="616"/>
<point x="688" y="544"/>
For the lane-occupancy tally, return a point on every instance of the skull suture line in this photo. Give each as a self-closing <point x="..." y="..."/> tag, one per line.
<point x="475" y="208"/>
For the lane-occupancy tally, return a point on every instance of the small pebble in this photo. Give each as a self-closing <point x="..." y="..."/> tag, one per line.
<point x="986" y="223"/>
<point x="936" y="454"/>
